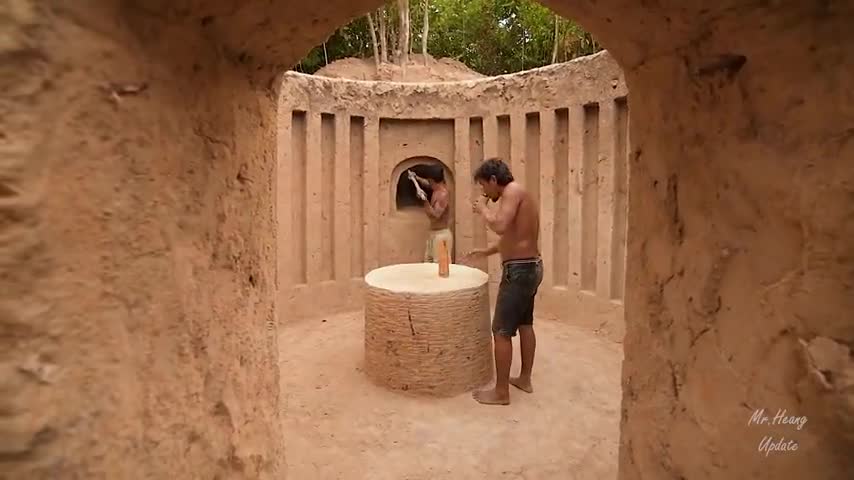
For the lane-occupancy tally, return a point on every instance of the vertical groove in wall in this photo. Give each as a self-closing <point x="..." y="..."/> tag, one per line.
<point x="545" y="177"/>
<point x="463" y="217"/>
<point x="476" y="156"/>
<point x="284" y="204"/>
<point x="372" y="193"/>
<point x="313" y="198"/>
<point x="327" y="197"/>
<point x="357" y="208"/>
<point x="561" y="198"/>
<point x="490" y="137"/>
<point x="341" y="227"/>
<point x="492" y="147"/>
<point x="298" y="204"/>
<point x="518" y="146"/>
<point x="621" y="164"/>
<point x="532" y="154"/>
<point x="589" y="197"/>
<point x="503" y="139"/>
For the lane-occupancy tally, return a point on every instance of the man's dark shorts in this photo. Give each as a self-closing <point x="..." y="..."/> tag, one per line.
<point x="514" y="306"/>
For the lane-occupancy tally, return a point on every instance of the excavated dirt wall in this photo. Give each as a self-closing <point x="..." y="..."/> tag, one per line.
<point x="138" y="295"/>
<point x="563" y="130"/>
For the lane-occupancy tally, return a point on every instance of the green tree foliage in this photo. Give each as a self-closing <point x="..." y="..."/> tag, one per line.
<point x="492" y="37"/>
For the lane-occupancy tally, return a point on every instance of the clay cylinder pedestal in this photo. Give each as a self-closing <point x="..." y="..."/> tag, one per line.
<point x="426" y="334"/>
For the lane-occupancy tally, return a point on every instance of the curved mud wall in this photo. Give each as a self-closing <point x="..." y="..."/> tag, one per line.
<point x="563" y="129"/>
<point x="137" y="240"/>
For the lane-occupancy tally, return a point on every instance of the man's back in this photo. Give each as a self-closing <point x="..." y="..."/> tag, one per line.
<point x="521" y="238"/>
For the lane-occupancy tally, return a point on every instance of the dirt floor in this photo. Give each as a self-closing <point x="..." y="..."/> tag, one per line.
<point x="339" y="426"/>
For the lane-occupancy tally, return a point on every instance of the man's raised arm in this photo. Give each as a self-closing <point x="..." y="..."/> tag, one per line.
<point x="499" y="220"/>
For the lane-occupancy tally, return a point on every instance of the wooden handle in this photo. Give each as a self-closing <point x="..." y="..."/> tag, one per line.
<point x="417" y="186"/>
<point x="444" y="259"/>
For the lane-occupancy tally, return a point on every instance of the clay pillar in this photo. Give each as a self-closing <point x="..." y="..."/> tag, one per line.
<point x="574" y="187"/>
<point x="357" y="197"/>
<point x="313" y="200"/>
<point x="463" y="216"/>
<point x="372" y="193"/>
<point x="386" y="185"/>
<point x="342" y="234"/>
<point x="285" y="180"/>
<point x="547" y="194"/>
<point x="605" y="192"/>
<point x="517" y="148"/>
<point x="621" y="191"/>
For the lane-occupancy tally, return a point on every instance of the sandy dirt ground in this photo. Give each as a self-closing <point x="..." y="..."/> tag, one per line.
<point x="417" y="70"/>
<point x="340" y="426"/>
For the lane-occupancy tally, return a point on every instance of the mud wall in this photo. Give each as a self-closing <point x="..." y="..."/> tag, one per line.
<point x="563" y="130"/>
<point x="138" y="295"/>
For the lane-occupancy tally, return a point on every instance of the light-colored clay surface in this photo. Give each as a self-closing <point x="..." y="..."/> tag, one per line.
<point x="343" y="427"/>
<point x="423" y="278"/>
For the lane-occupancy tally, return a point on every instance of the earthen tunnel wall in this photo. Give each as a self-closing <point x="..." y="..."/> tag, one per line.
<point x="343" y="144"/>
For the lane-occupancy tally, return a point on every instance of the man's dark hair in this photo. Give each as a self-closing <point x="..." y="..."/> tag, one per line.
<point x="433" y="172"/>
<point x="494" y="167"/>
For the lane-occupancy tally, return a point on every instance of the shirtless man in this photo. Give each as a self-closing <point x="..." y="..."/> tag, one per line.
<point x="437" y="210"/>
<point x="517" y="221"/>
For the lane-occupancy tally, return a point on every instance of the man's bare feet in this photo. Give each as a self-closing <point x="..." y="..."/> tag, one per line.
<point x="491" y="397"/>
<point x="523" y="384"/>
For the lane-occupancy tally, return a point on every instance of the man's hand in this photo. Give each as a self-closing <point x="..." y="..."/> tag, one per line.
<point x="478" y="206"/>
<point x="480" y="253"/>
<point x="474" y="254"/>
<point x="411" y="174"/>
<point x="421" y="195"/>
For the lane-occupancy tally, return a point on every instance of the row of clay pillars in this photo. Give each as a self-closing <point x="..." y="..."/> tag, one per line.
<point x="329" y="181"/>
<point x="574" y="162"/>
<point x="328" y="178"/>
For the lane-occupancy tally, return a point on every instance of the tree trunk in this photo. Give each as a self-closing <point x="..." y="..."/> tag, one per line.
<point x="410" y="39"/>
<point x="403" y="31"/>
<point x="383" y="42"/>
<point x="557" y="36"/>
<point x="426" y="30"/>
<point x="374" y="41"/>
<point x="393" y="27"/>
<point x="325" y="55"/>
